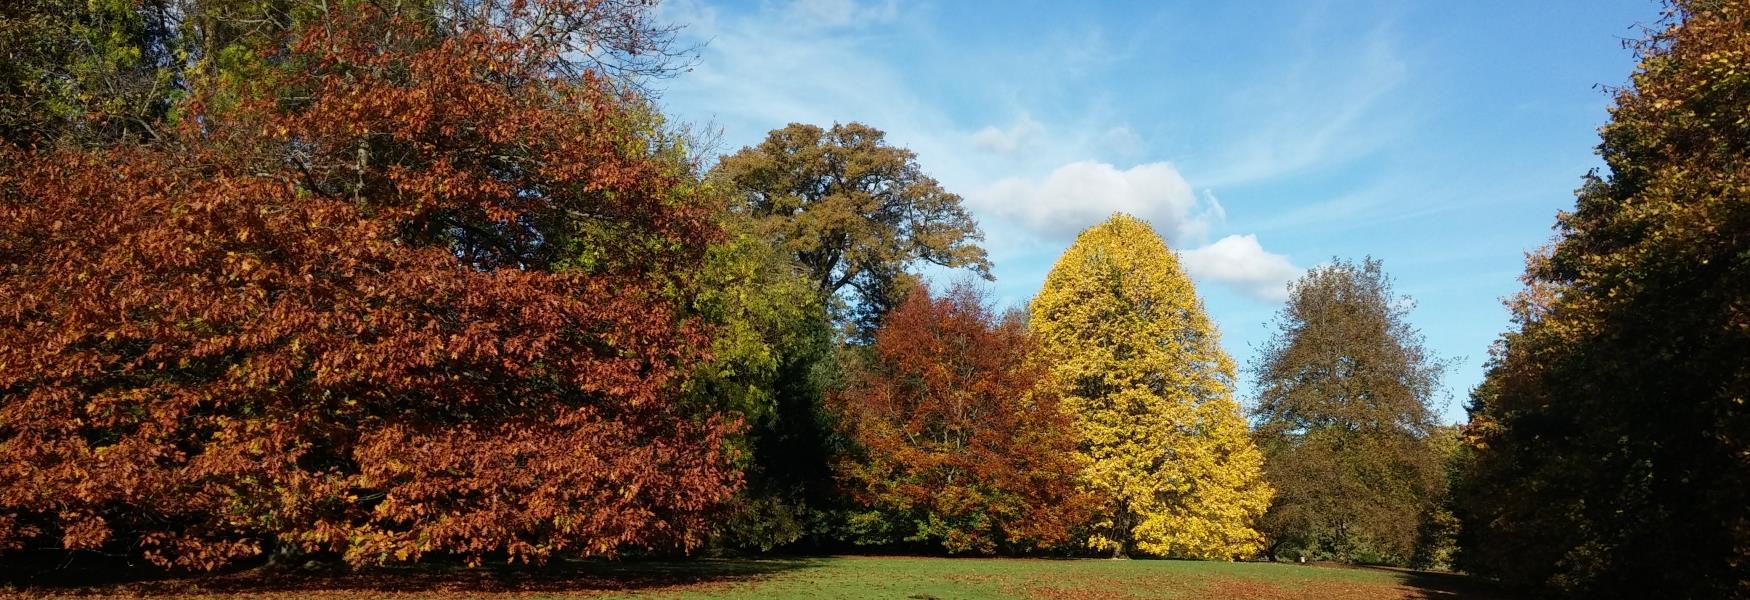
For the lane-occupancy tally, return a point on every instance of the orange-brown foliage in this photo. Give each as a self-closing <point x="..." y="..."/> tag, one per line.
<point x="402" y="293"/>
<point x="956" y="440"/>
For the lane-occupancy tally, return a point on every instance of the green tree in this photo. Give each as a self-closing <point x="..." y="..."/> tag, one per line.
<point x="1611" y="433"/>
<point x="772" y="357"/>
<point x="93" y="71"/>
<point x="103" y="71"/>
<point x="854" y="212"/>
<point x="1437" y="540"/>
<point x="1163" y="445"/>
<point x="1344" y="420"/>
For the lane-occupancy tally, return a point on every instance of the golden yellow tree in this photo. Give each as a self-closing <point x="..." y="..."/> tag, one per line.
<point x="1162" y="441"/>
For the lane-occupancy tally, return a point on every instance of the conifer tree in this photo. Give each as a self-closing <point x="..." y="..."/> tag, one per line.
<point x="1161" y="440"/>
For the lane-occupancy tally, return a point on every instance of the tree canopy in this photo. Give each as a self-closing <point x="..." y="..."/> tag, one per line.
<point x="1344" y="418"/>
<point x="855" y="212"/>
<point x="425" y="304"/>
<point x="1164" y="448"/>
<point x="105" y="71"/>
<point x="955" y="440"/>
<point x="772" y="359"/>
<point x="1611" y="433"/>
<point x="378" y="282"/>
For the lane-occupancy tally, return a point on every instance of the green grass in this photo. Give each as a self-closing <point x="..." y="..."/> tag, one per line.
<point x="849" y="577"/>
<point x="855" y="578"/>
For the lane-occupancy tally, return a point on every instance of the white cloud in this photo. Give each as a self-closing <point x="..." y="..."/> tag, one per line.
<point x="1240" y="261"/>
<point x="1032" y="181"/>
<point x="1213" y="207"/>
<point x="1008" y="141"/>
<point x="1083" y="193"/>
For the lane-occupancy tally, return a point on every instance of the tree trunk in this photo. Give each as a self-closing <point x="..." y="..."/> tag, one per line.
<point x="1121" y="531"/>
<point x="1270" y="551"/>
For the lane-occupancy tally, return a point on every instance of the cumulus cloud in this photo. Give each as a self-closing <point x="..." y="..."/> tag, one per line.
<point x="1083" y="193"/>
<point x="1033" y="180"/>
<point x="1240" y="261"/>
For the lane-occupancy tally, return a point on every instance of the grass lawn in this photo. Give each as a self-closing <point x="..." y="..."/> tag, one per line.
<point x="827" y="577"/>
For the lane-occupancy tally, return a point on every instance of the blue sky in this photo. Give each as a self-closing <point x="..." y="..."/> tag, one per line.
<point x="1259" y="138"/>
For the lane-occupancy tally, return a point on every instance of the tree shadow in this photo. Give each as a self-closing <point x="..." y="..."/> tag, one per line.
<point x="559" y="575"/>
<point x="1434" y="585"/>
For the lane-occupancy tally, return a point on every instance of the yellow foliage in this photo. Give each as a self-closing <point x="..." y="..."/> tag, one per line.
<point x="1162" y="441"/>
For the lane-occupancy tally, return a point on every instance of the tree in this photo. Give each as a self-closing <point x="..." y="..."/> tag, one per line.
<point x="772" y="357"/>
<point x="956" y="442"/>
<point x="1164" y="446"/>
<point x="1344" y="419"/>
<point x="1437" y="539"/>
<point x="413" y="292"/>
<point x="1610" y="435"/>
<point x="92" y="71"/>
<point x="105" y="71"/>
<point x="855" y="212"/>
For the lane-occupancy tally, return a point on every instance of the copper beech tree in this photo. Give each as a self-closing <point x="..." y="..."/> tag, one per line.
<point x="955" y="440"/>
<point x="409" y="289"/>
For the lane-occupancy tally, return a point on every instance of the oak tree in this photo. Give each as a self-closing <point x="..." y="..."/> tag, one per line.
<point x="856" y="213"/>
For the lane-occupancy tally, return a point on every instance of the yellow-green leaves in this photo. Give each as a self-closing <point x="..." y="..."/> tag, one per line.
<point x="856" y="213"/>
<point x="1162" y="441"/>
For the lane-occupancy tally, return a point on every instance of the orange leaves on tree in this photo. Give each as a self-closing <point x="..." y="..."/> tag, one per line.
<point x="410" y="293"/>
<point x="955" y="440"/>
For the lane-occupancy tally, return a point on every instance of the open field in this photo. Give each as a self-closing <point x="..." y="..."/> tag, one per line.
<point x="827" y="577"/>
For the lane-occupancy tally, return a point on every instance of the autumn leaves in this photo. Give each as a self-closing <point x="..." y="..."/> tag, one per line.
<point x="1102" y="420"/>
<point x="1162" y="442"/>
<point x="958" y="438"/>
<point x="401" y="293"/>
<point x="393" y="282"/>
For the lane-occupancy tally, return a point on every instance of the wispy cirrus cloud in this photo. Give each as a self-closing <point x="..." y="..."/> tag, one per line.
<point x="1320" y="109"/>
<point x="841" y="13"/>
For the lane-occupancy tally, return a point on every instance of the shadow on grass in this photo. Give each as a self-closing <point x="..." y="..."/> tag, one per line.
<point x="581" y="576"/>
<point x="1433" y="585"/>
